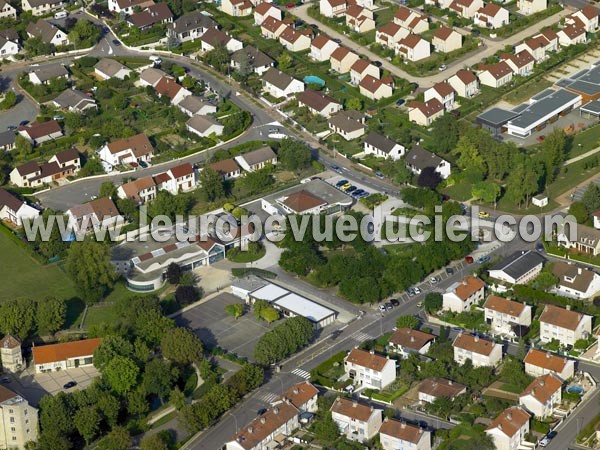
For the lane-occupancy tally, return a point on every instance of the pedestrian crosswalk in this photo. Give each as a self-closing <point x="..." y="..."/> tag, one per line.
<point x="301" y="373"/>
<point x="267" y="397"/>
<point x="361" y="337"/>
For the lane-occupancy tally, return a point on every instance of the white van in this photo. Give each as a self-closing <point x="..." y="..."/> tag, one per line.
<point x="61" y="15"/>
<point x="155" y="59"/>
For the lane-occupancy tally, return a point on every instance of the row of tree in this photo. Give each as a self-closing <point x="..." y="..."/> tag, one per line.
<point x="283" y="340"/>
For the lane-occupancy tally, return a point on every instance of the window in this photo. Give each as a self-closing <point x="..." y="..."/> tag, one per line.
<point x="13" y="429"/>
<point x="12" y="420"/>
<point x="10" y="411"/>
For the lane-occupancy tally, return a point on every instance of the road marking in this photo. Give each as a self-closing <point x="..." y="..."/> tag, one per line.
<point x="267" y="397"/>
<point x="301" y="373"/>
<point x="360" y="336"/>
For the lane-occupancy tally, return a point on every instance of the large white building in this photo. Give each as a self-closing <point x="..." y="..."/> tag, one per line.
<point x="128" y="150"/>
<point x="575" y="281"/>
<point x="538" y="363"/>
<point x="518" y="268"/>
<point x="567" y="327"/>
<point x="18" y="420"/>
<point x="369" y="370"/>
<point x="480" y="351"/>
<point x="462" y="295"/>
<point x="505" y="316"/>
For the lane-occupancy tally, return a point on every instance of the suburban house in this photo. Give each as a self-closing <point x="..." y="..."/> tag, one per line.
<point x="322" y="47"/>
<point x="141" y="190"/>
<point x="42" y="7"/>
<point x="342" y="59"/>
<point x="540" y="45"/>
<point x="572" y="35"/>
<point x="395" y="434"/>
<point x="587" y="240"/>
<point x="480" y="351"/>
<point x="61" y="165"/>
<point x="40" y="132"/>
<point x="293" y="40"/>
<point x="204" y="126"/>
<point x="332" y="8"/>
<point x="495" y="75"/>
<point x="168" y="86"/>
<point x="406" y="341"/>
<point x="256" y="159"/>
<point x="9" y="41"/>
<point x="43" y="75"/>
<point x="418" y="159"/>
<point x="124" y="151"/>
<point x="236" y="8"/>
<point x="387" y="35"/>
<point x="359" y="20"/>
<point x="302" y="202"/>
<point x="74" y="101"/>
<point x="177" y="179"/>
<point x="506" y="316"/>
<point x="150" y="77"/>
<point x="461" y="295"/>
<point x="521" y="63"/>
<point x="465" y="83"/>
<point x="7" y="10"/>
<point x="190" y="26"/>
<point x="263" y="432"/>
<point x="424" y="113"/>
<point x="264" y="10"/>
<point x="376" y="89"/>
<point x="108" y="68"/>
<point x="528" y="7"/>
<point x="150" y="16"/>
<point x="369" y="370"/>
<point x="99" y="213"/>
<point x="443" y="92"/>
<point x="361" y="68"/>
<point x="196" y="106"/>
<point x="67" y="355"/>
<point x="588" y="16"/>
<point x="11" y="354"/>
<point x="509" y="429"/>
<point x="19" y="420"/>
<point x="575" y="281"/>
<point x="7" y="140"/>
<point x="215" y="37"/>
<point x="303" y="396"/>
<point x="411" y="20"/>
<point x="518" y="268"/>
<point x="356" y="421"/>
<point x="382" y="147"/>
<point x="413" y="48"/>
<point x="251" y="58"/>
<point x="542" y="396"/>
<point x="538" y="363"/>
<point x="280" y="85"/>
<point x="227" y="168"/>
<point x="466" y="8"/>
<point x="491" y="16"/>
<point x="446" y="40"/>
<point x="431" y="389"/>
<point x="14" y="210"/>
<point x="564" y="325"/>
<point x="47" y="32"/>
<point x="271" y="27"/>
<point x="127" y="6"/>
<point x="349" y="124"/>
<point x="319" y="103"/>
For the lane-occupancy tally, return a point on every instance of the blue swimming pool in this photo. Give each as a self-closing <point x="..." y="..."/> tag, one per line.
<point x="314" y="79"/>
<point x="575" y="390"/>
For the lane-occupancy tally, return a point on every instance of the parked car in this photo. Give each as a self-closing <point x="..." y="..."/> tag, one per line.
<point x="420" y="304"/>
<point x="351" y="189"/>
<point x="379" y="175"/>
<point x="357" y="193"/>
<point x="58" y="117"/>
<point x="314" y="26"/>
<point x="540" y="247"/>
<point x="70" y="384"/>
<point x="382" y="308"/>
<point x="117" y="42"/>
<point x="469" y="259"/>
<point x="5" y="380"/>
<point x="11" y="127"/>
<point x="410" y="291"/>
<point x="417" y="290"/>
<point x="546" y="439"/>
<point x="341" y="183"/>
<point x="335" y="168"/>
<point x="483" y="259"/>
<point x="449" y="270"/>
<point x="273" y="130"/>
<point x="349" y="389"/>
<point x="433" y="280"/>
<point x="484" y="214"/>
<point x="395" y="302"/>
<point x="261" y="411"/>
<point x="377" y="63"/>
<point x="442" y="67"/>
<point x="400" y="102"/>
<point x="143" y="164"/>
<point x="337" y="40"/>
<point x="335" y="334"/>
<point x="389" y="306"/>
<point x="22" y="123"/>
<point x="346" y="187"/>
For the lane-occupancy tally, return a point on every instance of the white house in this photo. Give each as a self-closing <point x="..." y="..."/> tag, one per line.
<point x="124" y="151"/>
<point x="47" y="32"/>
<point x="521" y="63"/>
<point x="509" y="429"/>
<point x="252" y="58"/>
<point x="588" y="16"/>
<point x="271" y="28"/>
<point x="446" y="40"/>
<point x="418" y="159"/>
<point x="332" y="8"/>
<point x="465" y="83"/>
<point x="480" y="351"/>
<point x="495" y="75"/>
<point x="264" y="10"/>
<point x="42" y="7"/>
<point x="43" y="75"/>
<point x="127" y="6"/>
<point x="389" y="34"/>
<point x="8" y="46"/>
<point x="540" y="45"/>
<point x="431" y="389"/>
<point x="396" y="434"/>
<point x="59" y="166"/>
<point x="14" y="210"/>
<point x="150" y="77"/>
<point x="542" y="396"/>
<point x="356" y="421"/>
<point x="491" y="16"/>
<point x="572" y="35"/>
<point x="538" y="363"/>
<point x="361" y="68"/>
<point x="63" y="356"/>
<point x="342" y="59"/>
<point x="109" y="68"/>
<point x="575" y="281"/>
<point x="359" y="20"/>
<point x="503" y="314"/>
<point x="302" y="395"/>
<point x="280" y="84"/>
<point x="564" y="325"/>
<point x="236" y="8"/>
<point x="413" y="48"/>
<point x="227" y="168"/>
<point x="461" y="295"/>
<point x="190" y="26"/>
<point x="7" y="11"/>
<point x="195" y="106"/>
<point x="181" y="178"/>
<point x="528" y="7"/>
<point x="215" y="37"/>
<point x="405" y="341"/>
<point x="257" y="159"/>
<point x="443" y="92"/>
<point x="518" y="268"/>
<point x="587" y="240"/>
<point x="376" y="89"/>
<point x="40" y="132"/>
<point x="466" y="8"/>
<point x="141" y="190"/>
<point x="319" y="103"/>
<point x="382" y="147"/>
<point x="369" y="370"/>
<point x="97" y="214"/>
<point x="168" y="87"/>
<point x="424" y="113"/>
<point x="349" y="124"/>
<point x="411" y="20"/>
<point x="294" y="41"/>
<point x="322" y="47"/>
<point x="204" y="126"/>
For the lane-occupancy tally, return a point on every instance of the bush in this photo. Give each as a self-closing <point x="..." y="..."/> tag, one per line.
<point x="186" y="295"/>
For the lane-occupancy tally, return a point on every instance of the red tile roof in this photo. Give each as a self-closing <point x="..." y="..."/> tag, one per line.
<point x="60" y="352"/>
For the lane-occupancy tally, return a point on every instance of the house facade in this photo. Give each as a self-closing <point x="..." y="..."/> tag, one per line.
<point x="542" y="396"/>
<point x="538" y="363"/>
<point x="405" y="341"/>
<point x="509" y="429"/>
<point x="463" y="294"/>
<point x="575" y="281"/>
<point x="504" y="315"/>
<point x="396" y="434"/>
<point x="67" y="355"/>
<point x="563" y="325"/>
<point x="481" y="352"/>
<point x="123" y="151"/>
<point x="356" y="421"/>
<point x="369" y="370"/>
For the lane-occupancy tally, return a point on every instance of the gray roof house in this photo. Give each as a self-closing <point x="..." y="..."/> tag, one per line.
<point x="258" y="61"/>
<point x="42" y="75"/>
<point x="204" y="126"/>
<point x="109" y="68"/>
<point x="257" y="159"/>
<point x="418" y="159"/>
<point x="380" y="146"/>
<point x="349" y="124"/>
<point x="74" y="101"/>
<point x="47" y="32"/>
<point x="280" y="84"/>
<point x="518" y="268"/>
<point x="192" y="106"/>
<point x="7" y="140"/>
<point x="191" y="26"/>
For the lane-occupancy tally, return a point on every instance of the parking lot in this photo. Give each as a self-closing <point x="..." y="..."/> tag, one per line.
<point x="215" y="327"/>
<point x="352" y="189"/>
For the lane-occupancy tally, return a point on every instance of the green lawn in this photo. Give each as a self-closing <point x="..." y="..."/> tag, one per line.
<point x="585" y="141"/>
<point x="459" y="191"/>
<point x="22" y="276"/>
<point x="99" y="314"/>
<point x="527" y="90"/>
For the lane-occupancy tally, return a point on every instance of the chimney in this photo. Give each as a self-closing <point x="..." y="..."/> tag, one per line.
<point x="402" y="425"/>
<point x="579" y="271"/>
<point x="542" y="382"/>
<point x="296" y="391"/>
<point x="354" y="403"/>
<point x="412" y="339"/>
<point x="509" y="416"/>
<point x="276" y="410"/>
<point x="476" y="339"/>
<point x="450" y="382"/>
<point x="250" y="430"/>
<point x="263" y="420"/>
<point x="372" y="352"/>
<point x="568" y="307"/>
<point x="548" y="355"/>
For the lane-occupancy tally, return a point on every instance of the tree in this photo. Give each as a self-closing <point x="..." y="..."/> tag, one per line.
<point x="186" y="294"/>
<point x="579" y="211"/>
<point x="429" y="178"/>
<point x="326" y="429"/>
<point x="218" y="58"/>
<point x="111" y="347"/>
<point x="433" y="302"/>
<point x="247" y="379"/>
<point x="244" y="65"/>
<point x="117" y="439"/>
<point x="407" y="322"/>
<point x="108" y="189"/>
<point x="212" y="184"/>
<point x="85" y="34"/>
<point x="17" y="317"/>
<point x="270" y="314"/>
<point x="284" y="61"/>
<point x="173" y="273"/>
<point x="87" y="422"/>
<point x="56" y="413"/>
<point x="235" y="310"/>
<point x="488" y="191"/>
<point x="159" y="378"/>
<point x="591" y="198"/>
<point x="10" y="100"/>
<point x="182" y="346"/>
<point x="445" y="130"/>
<point x="51" y="314"/>
<point x="88" y="264"/>
<point x="121" y="374"/>
<point x="177" y="398"/>
<point x="354" y="103"/>
<point x="157" y="441"/>
<point x="283" y="340"/>
<point x="108" y="407"/>
<point x="294" y="155"/>
<point x="23" y="145"/>
<point x="137" y="404"/>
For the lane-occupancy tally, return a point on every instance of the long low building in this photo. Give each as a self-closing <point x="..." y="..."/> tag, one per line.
<point x="68" y="355"/>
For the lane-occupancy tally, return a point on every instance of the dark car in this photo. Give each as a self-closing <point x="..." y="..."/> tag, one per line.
<point x="105" y="30"/>
<point x="351" y="189"/>
<point x="341" y="182"/>
<point x="337" y="41"/>
<point x="70" y="384"/>
<point x="5" y="380"/>
<point x="143" y="164"/>
<point x="22" y="123"/>
<point x="379" y="175"/>
<point x="116" y="42"/>
<point x="335" y="334"/>
<point x="378" y="63"/>
<point x="261" y="411"/>
<point x="475" y="32"/>
<point x="539" y="247"/>
<point x="395" y="302"/>
<point x="400" y="102"/>
<point x="389" y="306"/>
<point x="11" y="127"/>
<point x="299" y="22"/>
<point x="299" y="3"/>
<point x="449" y="270"/>
<point x="336" y="168"/>
<point x="314" y="26"/>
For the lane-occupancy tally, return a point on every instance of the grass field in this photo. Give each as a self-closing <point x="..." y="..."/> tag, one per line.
<point x="22" y="276"/>
<point x="585" y="141"/>
<point x="527" y="90"/>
